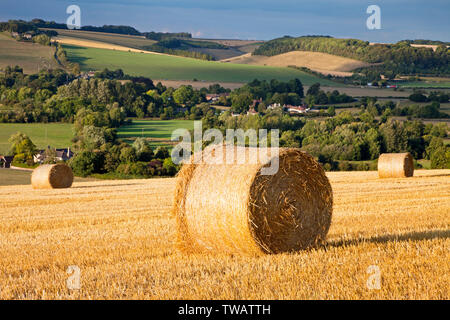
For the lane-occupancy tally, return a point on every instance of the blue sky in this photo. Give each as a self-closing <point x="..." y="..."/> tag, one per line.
<point x="252" y="19"/>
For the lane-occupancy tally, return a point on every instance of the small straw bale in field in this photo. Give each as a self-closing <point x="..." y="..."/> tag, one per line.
<point x="233" y="208"/>
<point x="395" y="165"/>
<point x="52" y="176"/>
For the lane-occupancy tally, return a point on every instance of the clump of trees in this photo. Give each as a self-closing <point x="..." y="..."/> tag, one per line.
<point x="433" y="96"/>
<point x="99" y="152"/>
<point x="55" y="95"/>
<point x="269" y="92"/>
<point x="21" y="27"/>
<point x="430" y="111"/>
<point x="316" y="96"/>
<point x="22" y="148"/>
<point x="160" y="36"/>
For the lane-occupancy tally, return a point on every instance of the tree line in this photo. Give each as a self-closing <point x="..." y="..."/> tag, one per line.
<point x="341" y="140"/>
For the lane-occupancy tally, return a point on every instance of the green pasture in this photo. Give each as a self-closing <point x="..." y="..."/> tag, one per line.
<point x="57" y="135"/>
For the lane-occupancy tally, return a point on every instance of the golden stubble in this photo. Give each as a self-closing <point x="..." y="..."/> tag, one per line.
<point x="123" y="238"/>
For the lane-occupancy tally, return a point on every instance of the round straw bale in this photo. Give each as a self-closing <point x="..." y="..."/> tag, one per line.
<point x="52" y="176"/>
<point x="234" y="208"/>
<point x="395" y="165"/>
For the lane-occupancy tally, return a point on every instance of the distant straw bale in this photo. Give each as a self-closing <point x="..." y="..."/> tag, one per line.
<point x="52" y="176"/>
<point x="396" y="165"/>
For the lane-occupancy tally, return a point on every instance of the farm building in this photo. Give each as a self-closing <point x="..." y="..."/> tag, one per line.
<point x="297" y="109"/>
<point x="215" y="97"/>
<point x="274" y="106"/>
<point x="87" y="75"/>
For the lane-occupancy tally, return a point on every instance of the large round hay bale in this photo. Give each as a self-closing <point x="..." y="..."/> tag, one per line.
<point x="52" y="176"/>
<point x="233" y="208"/>
<point x="395" y="165"/>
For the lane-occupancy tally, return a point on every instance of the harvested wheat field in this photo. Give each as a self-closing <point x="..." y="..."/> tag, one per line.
<point x="123" y="239"/>
<point x="320" y="62"/>
<point x="99" y="45"/>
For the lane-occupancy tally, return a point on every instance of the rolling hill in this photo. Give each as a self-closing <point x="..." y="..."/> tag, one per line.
<point x="216" y="48"/>
<point x="166" y="67"/>
<point x="388" y="59"/>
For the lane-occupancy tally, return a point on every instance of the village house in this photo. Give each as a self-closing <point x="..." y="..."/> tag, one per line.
<point x="28" y="36"/>
<point x="274" y="106"/>
<point x="87" y="75"/>
<point x="213" y="97"/>
<point x="61" y="155"/>
<point x="253" y="108"/>
<point x="297" y="109"/>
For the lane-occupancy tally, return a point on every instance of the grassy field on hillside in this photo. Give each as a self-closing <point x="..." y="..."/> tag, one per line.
<point x="179" y="68"/>
<point x="158" y="132"/>
<point x="129" y="42"/>
<point x="122" y="237"/>
<point x="57" y="135"/>
<point x="31" y="57"/>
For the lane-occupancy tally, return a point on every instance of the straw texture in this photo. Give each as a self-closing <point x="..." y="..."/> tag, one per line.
<point x="395" y="165"/>
<point x="234" y="209"/>
<point x="52" y="176"/>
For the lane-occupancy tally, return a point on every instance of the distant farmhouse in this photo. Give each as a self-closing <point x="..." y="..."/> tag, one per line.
<point x="61" y="155"/>
<point x="211" y="98"/>
<point x="303" y="109"/>
<point x="297" y="109"/>
<point x="23" y="36"/>
<point x="28" y="36"/>
<point x="253" y="108"/>
<point x="87" y="75"/>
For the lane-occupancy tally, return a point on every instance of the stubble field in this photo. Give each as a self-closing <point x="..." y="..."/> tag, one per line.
<point x="320" y="62"/>
<point x="32" y="57"/>
<point x="121" y="236"/>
